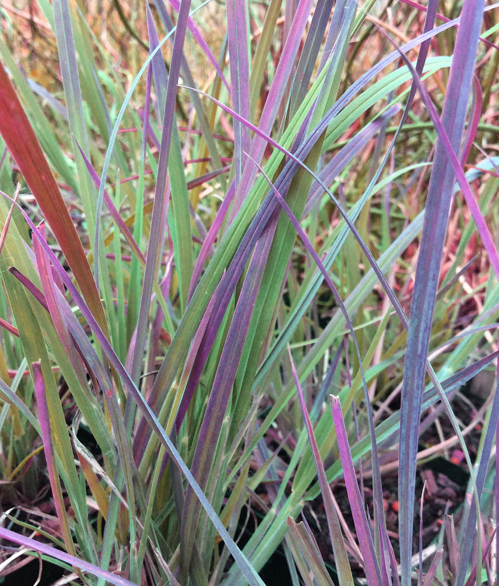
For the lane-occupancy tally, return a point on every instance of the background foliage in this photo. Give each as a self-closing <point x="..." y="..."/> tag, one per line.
<point x="248" y="262"/>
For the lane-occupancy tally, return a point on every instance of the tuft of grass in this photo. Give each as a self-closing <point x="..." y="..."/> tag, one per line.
<point x="218" y="219"/>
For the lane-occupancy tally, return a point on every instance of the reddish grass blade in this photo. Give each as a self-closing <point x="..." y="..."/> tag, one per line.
<point x="428" y="581"/>
<point x="10" y="328"/>
<point x="22" y="143"/>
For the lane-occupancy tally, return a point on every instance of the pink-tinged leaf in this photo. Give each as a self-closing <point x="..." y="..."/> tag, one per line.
<point x="48" y="447"/>
<point x="140" y="440"/>
<point x="63" y="557"/>
<point x="340" y="554"/>
<point x="50" y="294"/>
<point x="206" y="177"/>
<point x="307" y="554"/>
<point x="23" y="145"/>
<point x="11" y="329"/>
<point x="362" y="528"/>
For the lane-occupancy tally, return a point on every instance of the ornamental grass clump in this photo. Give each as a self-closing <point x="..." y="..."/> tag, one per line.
<point x="248" y="268"/>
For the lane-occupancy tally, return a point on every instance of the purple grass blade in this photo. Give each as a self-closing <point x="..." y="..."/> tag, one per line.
<point x="210" y="239"/>
<point x="197" y="35"/>
<point x="428" y="268"/>
<point x="158" y="319"/>
<point x="431" y="14"/>
<point x="393" y="565"/>
<point x="336" y="165"/>
<point x="222" y="385"/>
<point x="311" y="48"/>
<point x="50" y="293"/>
<point x="198" y="340"/>
<point x="57" y="554"/>
<point x="237" y="28"/>
<point x="186" y="73"/>
<point x="476" y="113"/>
<point x="383" y="540"/>
<point x="206" y="177"/>
<point x="158" y="68"/>
<point x="362" y="528"/>
<point x="161" y="192"/>
<point x="30" y="286"/>
<point x="333" y="523"/>
<point x="481" y="476"/>
<point x="140" y="441"/>
<point x="473" y="575"/>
